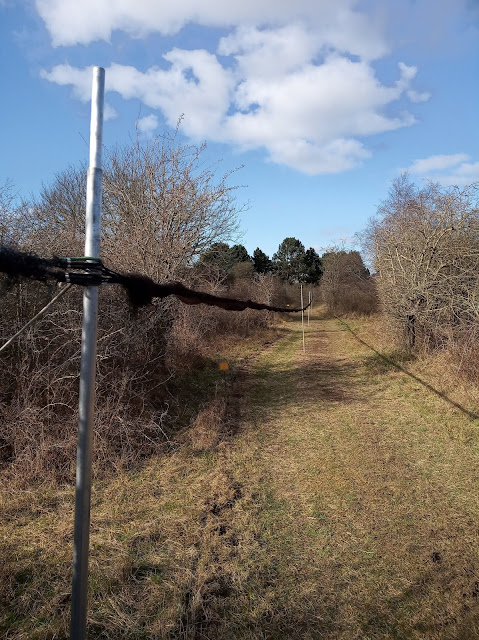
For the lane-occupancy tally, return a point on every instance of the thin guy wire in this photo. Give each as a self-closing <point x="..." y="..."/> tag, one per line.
<point x="39" y="314"/>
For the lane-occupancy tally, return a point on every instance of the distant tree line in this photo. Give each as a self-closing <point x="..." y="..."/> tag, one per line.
<point x="347" y="285"/>
<point x="292" y="263"/>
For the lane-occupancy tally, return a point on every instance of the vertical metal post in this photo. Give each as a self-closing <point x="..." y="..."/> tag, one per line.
<point x="309" y="303"/>
<point x="87" y="369"/>
<point x="302" y="317"/>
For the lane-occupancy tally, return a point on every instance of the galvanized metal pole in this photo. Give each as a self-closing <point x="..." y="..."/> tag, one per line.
<point x="87" y="369"/>
<point x="302" y="317"/>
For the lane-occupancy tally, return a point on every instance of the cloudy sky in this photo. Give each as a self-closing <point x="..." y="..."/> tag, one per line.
<point x="324" y="102"/>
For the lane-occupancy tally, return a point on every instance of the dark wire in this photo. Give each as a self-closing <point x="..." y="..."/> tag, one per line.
<point x="141" y="290"/>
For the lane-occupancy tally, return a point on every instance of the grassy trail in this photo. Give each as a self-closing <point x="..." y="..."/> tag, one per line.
<point x="338" y="500"/>
<point x="359" y="511"/>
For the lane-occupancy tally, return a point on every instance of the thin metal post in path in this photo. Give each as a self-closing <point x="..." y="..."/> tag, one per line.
<point x="302" y="317"/>
<point x="87" y="369"/>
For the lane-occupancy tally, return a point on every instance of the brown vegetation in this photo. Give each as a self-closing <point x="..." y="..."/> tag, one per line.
<point x="323" y="495"/>
<point x="425" y="249"/>
<point x="346" y="285"/>
<point x="161" y="208"/>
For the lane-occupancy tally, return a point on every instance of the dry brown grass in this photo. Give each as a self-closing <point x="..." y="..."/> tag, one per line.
<point x="343" y="506"/>
<point x="444" y="369"/>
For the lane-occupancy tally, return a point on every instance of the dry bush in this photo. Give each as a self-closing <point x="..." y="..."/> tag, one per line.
<point x="195" y="330"/>
<point x="165" y="206"/>
<point x="360" y="298"/>
<point x="40" y="398"/>
<point x="161" y="208"/>
<point x="40" y="378"/>
<point x="346" y="285"/>
<point x="15" y="216"/>
<point x="425" y="248"/>
<point x="463" y="349"/>
<point x="275" y="291"/>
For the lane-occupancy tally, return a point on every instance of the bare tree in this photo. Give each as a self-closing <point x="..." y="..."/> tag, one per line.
<point x="16" y="220"/>
<point x="165" y="205"/>
<point x="346" y="285"/>
<point x="162" y="206"/>
<point x="425" y="248"/>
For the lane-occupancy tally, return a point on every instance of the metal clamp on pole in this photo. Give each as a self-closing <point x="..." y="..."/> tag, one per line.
<point x="87" y="370"/>
<point x="84" y="271"/>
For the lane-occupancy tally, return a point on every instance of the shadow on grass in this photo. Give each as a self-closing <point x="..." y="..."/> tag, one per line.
<point x="310" y="382"/>
<point x="443" y="603"/>
<point x="331" y="608"/>
<point x="395" y="365"/>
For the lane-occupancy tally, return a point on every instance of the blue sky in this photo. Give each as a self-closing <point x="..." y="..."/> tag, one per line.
<point x="324" y="102"/>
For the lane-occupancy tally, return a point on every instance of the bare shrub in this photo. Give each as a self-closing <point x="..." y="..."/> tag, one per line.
<point x="40" y="394"/>
<point x="16" y="220"/>
<point x="346" y="285"/>
<point x="424" y="243"/>
<point x="165" y="206"/>
<point x="242" y="271"/>
<point x="194" y="329"/>
<point x="162" y="207"/>
<point x="463" y="349"/>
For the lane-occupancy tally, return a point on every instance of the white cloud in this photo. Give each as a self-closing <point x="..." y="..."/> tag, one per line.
<point x="418" y="96"/>
<point x="464" y="174"/>
<point x="437" y="163"/>
<point x="293" y="78"/>
<point x="79" y="79"/>
<point x="71" y="22"/>
<point x="454" y="169"/>
<point x="313" y="159"/>
<point x="270" y="52"/>
<point x="309" y="115"/>
<point x="468" y="171"/>
<point x="195" y="83"/>
<point x="147" y="124"/>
